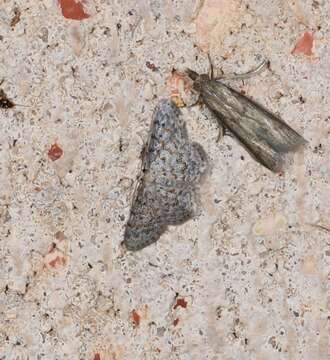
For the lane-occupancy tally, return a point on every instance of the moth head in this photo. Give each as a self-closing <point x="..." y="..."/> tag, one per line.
<point x="198" y="79"/>
<point x="192" y="74"/>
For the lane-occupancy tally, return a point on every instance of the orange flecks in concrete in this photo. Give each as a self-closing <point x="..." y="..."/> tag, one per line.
<point x="17" y="17"/>
<point x="304" y="45"/>
<point x="55" y="259"/>
<point x="74" y="10"/>
<point x="57" y="262"/>
<point x="55" y="152"/>
<point x="59" y="235"/>
<point x="309" y="265"/>
<point x="136" y="318"/>
<point x="181" y="302"/>
<point x="215" y="20"/>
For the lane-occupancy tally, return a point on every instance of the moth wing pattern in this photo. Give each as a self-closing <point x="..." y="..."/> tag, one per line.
<point x="263" y="134"/>
<point x="167" y="191"/>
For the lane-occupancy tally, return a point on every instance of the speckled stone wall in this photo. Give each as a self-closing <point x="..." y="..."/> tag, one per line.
<point x="248" y="278"/>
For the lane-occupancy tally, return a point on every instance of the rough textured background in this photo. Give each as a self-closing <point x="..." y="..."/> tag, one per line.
<point x="249" y="278"/>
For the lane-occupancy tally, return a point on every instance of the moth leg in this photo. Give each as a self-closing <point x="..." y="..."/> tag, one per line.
<point x="223" y="131"/>
<point x="261" y="67"/>
<point x="199" y="101"/>
<point x="228" y="133"/>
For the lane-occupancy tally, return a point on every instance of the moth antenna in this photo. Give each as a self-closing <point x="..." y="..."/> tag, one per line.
<point x="211" y="72"/>
<point x="260" y="68"/>
<point x="28" y="106"/>
<point x="198" y="102"/>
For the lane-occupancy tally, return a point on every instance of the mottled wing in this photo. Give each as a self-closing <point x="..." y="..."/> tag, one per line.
<point x="172" y="169"/>
<point x="263" y="134"/>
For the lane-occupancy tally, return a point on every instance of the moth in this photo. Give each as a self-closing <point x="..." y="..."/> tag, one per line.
<point x="264" y="135"/>
<point x="5" y="103"/>
<point x="167" y="190"/>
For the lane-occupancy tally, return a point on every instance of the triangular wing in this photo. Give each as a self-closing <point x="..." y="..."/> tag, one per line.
<point x="172" y="169"/>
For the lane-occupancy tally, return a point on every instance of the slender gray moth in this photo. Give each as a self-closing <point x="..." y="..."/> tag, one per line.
<point x="264" y="135"/>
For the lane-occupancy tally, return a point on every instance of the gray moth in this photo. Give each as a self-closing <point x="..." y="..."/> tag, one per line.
<point x="263" y="134"/>
<point x="172" y="170"/>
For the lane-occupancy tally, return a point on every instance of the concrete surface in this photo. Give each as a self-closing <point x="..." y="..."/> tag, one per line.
<point x="247" y="279"/>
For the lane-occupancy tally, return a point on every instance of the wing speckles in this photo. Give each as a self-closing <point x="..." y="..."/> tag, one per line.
<point x="167" y="194"/>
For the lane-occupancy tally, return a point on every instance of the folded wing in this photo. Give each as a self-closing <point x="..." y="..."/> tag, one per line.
<point x="263" y="134"/>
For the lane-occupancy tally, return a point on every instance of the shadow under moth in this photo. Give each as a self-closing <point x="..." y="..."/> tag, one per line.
<point x="167" y="191"/>
<point x="264" y="135"/>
